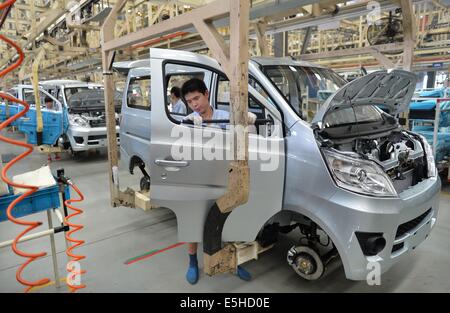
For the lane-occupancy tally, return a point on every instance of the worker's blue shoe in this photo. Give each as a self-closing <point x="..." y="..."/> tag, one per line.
<point x="192" y="272"/>
<point x="192" y="275"/>
<point x="243" y="274"/>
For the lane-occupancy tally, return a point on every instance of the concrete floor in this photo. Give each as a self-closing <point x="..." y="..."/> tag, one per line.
<point x="114" y="235"/>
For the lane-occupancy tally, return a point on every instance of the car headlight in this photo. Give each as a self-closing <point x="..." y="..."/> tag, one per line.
<point x="78" y="121"/>
<point x="358" y="175"/>
<point x="431" y="165"/>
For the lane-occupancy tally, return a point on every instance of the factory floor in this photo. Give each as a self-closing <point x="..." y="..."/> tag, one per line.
<point x="115" y="235"/>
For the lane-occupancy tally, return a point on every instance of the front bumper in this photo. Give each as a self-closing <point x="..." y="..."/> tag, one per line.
<point x="404" y="222"/>
<point x="83" y="139"/>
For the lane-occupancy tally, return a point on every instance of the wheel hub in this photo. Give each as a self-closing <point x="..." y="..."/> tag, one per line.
<point x="305" y="264"/>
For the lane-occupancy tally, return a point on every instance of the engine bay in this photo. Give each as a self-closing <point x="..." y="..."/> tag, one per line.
<point x="399" y="153"/>
<point x="91" y="119"/>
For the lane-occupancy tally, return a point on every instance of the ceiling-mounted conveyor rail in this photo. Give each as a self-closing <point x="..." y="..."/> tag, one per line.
<point x="233" y="58"/>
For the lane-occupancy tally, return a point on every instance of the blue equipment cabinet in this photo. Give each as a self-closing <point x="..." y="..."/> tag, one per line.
<point x="42" y="200"/>
<point x="55" y="123"/>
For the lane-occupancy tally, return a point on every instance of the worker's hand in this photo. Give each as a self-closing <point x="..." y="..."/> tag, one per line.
<point x="251" y="118"/>
<point x="196" y="119"/>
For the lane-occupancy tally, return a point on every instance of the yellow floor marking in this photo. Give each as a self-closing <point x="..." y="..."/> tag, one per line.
<point x="46" y="285"/>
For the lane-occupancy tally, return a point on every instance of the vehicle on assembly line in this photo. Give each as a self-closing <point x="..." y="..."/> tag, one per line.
<point x="54" y="118"/>
<point x="355" y="184"/>
<point x="76" y="121"/>
<point x="86" y="113"/>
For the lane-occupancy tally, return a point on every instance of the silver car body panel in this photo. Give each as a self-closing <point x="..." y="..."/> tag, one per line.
<point x="301" y="186"/>
<point x="189" y="191"/>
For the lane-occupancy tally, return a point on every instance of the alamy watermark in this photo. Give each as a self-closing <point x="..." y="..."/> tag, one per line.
<point x="211" y="143"/>
<point x="373" y="277"/>
<point x="73" y="278"/>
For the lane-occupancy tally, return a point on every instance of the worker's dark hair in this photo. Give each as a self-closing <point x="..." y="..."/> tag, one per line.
<point x="176" y="91"/>
<point x="48" y="99"/>
<point x="193" y="85"/>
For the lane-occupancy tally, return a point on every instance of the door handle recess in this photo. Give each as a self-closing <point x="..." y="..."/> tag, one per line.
<point x="172" y="163"/>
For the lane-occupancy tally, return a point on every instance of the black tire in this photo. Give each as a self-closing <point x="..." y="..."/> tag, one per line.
<point x="74" y="154"/>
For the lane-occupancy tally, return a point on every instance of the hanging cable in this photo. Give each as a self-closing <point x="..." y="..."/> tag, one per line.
<point x="31" y="189"/>
<point x="73" y="266"/>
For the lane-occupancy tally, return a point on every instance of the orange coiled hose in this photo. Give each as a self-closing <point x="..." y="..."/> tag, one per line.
<point x="71" y="266"/>
<point x="29" y="149"/>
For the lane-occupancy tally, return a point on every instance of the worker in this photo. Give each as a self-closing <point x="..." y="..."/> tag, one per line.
<point x="50" y="105"/>
<point x="178" y="105"/>
<point x="196" y="95"/>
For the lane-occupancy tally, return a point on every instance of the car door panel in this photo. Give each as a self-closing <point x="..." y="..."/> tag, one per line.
<point x="191" y="190"/>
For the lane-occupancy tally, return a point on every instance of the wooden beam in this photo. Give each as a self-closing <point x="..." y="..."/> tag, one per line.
<point x="409" y="38"/>
<point x="27" y="7"/>
<point x="215" y="43"/>
<point x="212" y="11"/>
<point x="409" y="33"/>
<point x="217" y="259"/>
<point x="383" y="59"/>
<point x="239" y="56"/>
<point x="157" y="13"/>
<point x="55" y="42"/>
<point x="107" y="34"/>
<point x="260" y="29"/>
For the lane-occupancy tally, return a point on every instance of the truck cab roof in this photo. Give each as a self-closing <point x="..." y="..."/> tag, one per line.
<point x="67" y="83"/>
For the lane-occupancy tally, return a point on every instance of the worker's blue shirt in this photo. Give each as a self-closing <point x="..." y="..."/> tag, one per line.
<point x="179" y="107"/>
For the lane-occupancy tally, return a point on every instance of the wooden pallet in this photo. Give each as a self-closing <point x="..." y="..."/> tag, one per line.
<point x="247" y="251"/>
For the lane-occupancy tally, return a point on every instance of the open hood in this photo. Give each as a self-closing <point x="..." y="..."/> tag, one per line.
<point x="391" y="91"/>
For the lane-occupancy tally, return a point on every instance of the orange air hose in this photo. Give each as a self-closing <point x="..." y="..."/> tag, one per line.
<point x="31" y="189"/>
<point x="71" y="268"/>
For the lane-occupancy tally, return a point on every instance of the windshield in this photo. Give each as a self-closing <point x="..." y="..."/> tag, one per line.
<point x="70" y="91"/>
<point x="305" y="88"/>
<point x="86" y="98"/>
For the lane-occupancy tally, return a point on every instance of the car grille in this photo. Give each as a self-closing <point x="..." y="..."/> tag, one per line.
<point x="408" y="226"/>
<point x="100" y="123"/>
<point x="98" y="137"/>
<point x="398" y="247"/>
<point x="97" y="123"/>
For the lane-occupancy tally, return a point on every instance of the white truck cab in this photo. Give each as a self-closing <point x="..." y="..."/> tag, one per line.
<point x="86" y="114"/>
<point x="54" y="117"/>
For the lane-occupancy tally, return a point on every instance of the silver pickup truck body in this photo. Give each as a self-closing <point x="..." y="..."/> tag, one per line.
<point x="353" y="175"/>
